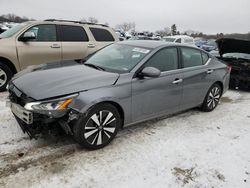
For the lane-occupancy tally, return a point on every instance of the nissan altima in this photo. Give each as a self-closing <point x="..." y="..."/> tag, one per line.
<point x="120" y="85"/>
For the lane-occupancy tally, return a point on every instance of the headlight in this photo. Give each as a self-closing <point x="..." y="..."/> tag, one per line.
<point x="51" y="105"/>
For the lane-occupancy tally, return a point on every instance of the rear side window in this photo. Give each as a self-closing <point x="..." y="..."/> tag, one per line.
<point x="101" y="35"/>
<point x="205" y="57"/>
<point x="164" y="60"/>
<point x="191" y="57"/>
<point x="73" y="34"/>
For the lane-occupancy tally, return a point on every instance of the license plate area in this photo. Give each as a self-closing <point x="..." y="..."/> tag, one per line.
<point x="21" y="113"/>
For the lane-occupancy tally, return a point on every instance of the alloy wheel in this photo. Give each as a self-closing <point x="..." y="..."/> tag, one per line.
<point x="3" y="77"/>
<point x="100" y="127"/>
<point x="213" y="97"/>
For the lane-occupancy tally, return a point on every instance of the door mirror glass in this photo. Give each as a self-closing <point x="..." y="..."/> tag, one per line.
<point x="150" y="72"/>
<point x="29" y="35"/>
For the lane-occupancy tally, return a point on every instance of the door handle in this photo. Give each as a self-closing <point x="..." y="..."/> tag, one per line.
<point x="55" y="46"/>
<point x="209" y="71"/>
<point x="177" y="81"/>
<point x="91" y="45"/>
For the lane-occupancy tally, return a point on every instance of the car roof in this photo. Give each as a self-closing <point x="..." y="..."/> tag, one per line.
<point x="66" y="22"/>
<point x="151" y="43"/>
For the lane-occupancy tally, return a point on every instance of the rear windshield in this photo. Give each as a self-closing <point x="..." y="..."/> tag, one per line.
<point x="12" y="31"/>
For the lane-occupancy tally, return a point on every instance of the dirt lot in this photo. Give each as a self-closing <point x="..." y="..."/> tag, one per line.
<point x="191" y="149"/>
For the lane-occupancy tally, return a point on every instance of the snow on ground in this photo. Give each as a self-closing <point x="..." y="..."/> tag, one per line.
<point x="191" y="149"/>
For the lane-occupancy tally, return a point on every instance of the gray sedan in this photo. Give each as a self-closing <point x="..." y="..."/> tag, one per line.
<point x="122" y="84"/>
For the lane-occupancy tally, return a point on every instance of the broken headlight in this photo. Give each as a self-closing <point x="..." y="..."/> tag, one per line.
<point x="50" y="105"/>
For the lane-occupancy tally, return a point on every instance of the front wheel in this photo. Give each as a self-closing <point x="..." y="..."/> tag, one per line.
<point x="212" y="98"/>
<point x="5" y="76"/>
<point x="99" y="127"/>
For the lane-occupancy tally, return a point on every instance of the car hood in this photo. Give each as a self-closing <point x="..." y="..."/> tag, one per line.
<point x="43" y="82"/>
<point x="226" y="45"/>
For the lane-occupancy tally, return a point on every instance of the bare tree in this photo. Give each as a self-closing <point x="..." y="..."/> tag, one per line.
<point x="126" y="26"/>
<point x="93" y="20"/>
<point x="90" y="19"/>
<point x="163" y="32"/>
<point x="83" y="20"/>
<point x="173" y="29"/>
<point x="13" y="18"/>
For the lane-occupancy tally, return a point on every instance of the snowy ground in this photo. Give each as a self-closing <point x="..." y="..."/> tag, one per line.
<point x="191" y="149"/>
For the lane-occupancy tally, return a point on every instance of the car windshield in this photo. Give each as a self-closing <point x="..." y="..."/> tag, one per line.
<point x="12" y="31"/>
<point x="118" y="58"/>
<point x="169" y="39"/>
<point x="237" y="55"/>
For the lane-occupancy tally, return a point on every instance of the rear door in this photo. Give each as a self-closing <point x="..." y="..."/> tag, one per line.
<point x="75" y="42"/>
<point x="44" y="49"/>
<point x="162" y="95"/>
<point x="197" y="77"/>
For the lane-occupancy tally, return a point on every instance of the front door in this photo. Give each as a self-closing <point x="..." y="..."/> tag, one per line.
<point x="157" y="96"/>
<point x="44" y="49"/>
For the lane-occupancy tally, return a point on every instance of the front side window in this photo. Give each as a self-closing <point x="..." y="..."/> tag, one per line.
<point x="44" y="33"/>
<point x="164" y="60"/>
<point x="101" y="35"/>
<point x="118" y="57"/>
<point x="191" y="57"/>
<point x="73" y="34"/>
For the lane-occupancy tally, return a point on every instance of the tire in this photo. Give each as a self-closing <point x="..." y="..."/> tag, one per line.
<point x="98" y="128"/>
<point x="5" y="76"/>
<point x="212" y="98"/>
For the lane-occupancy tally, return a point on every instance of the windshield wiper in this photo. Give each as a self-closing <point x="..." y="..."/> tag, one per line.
<point x="94" y="66"/>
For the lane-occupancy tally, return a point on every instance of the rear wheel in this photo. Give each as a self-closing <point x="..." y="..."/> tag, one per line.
<point x="212" y="98"/>
<point x="5" y="76"/>
<point x="99" y="127"/>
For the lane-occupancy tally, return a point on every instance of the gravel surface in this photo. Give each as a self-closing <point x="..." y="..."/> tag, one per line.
<point x="190" y="149"/>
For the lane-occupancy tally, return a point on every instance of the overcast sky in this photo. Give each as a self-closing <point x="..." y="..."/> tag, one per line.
<point x="208" y="16"/>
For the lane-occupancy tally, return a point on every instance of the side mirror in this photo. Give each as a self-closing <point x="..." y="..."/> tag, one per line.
<point x="150" y="72"/>
<point x="28" y="36"/>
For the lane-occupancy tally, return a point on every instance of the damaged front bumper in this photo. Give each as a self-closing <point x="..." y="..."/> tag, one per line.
<point x="36" y="122"/>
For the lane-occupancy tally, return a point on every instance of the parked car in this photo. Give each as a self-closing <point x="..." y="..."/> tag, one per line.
<point x="210" y="46"/>
<point x="236" y="53"/>
<point x="199" y="42"/>
<point x="120" y="85"/>
<point x="38" y="42"/>
<point x="120" y="35"/>
<point x="180" y="39"/>
<point x="3" y="28"/>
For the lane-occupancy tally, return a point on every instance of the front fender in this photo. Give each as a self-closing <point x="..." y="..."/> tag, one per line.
<point x="119" y="94"/>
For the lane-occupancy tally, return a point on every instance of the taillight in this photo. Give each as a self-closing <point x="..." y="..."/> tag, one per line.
<point x="229" y="68"/>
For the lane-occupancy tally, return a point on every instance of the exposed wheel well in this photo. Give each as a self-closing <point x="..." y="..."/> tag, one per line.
<point x="220" y="84"/>
<point x="9" y="64"/>
<point x="118" y="107"/>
